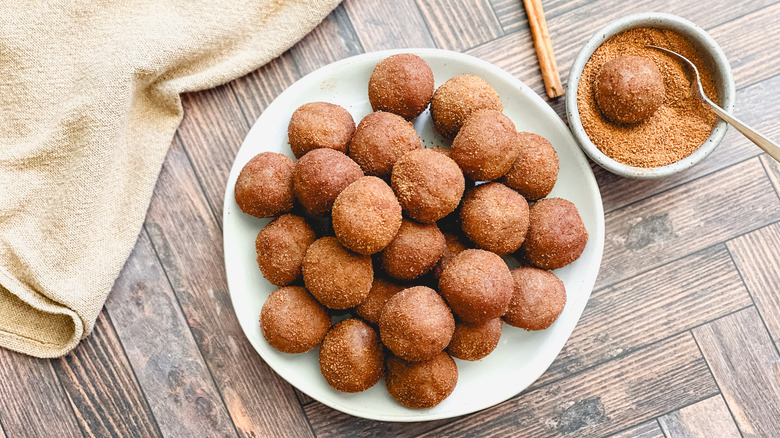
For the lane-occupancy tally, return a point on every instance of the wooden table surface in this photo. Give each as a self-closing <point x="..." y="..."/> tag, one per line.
<point x="680" y="337"/>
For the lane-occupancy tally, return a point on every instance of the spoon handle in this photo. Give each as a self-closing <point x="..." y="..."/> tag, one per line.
<point x="764" y="143"/>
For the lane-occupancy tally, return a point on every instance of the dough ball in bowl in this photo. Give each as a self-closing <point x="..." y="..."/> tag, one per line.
<point x="421" y="385"/>
<point x="486" y="146"/>
<point x="292" y="321"/>
<point x="556" y="234"/>
<point x="414" y="251"/>
<point x="381" y="291"/>
<point x="320" y="176"/>
<point x="351" y="356"/>
<point x="264" y="187"/>
<point x="477" y="285"/>
<point x="281" y="246"/>
<point x="455" y="100"/>
<point x="320" y="125"/>
<point x="535" y="170"/>
<point x="380" y="140"/>
<point x="630" y="89"/>
<point x="495" y="218"/>
<point x="538" y="299"/>
<point x="475" y="341"/>
<point x="336" y="276"/>
<point x="401" y="84"/>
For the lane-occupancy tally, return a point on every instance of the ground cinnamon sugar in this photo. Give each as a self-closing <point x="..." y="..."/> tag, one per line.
<point x="679" y="126"/>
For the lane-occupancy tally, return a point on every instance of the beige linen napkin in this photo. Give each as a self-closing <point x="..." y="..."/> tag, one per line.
<point x="89" y="103"/>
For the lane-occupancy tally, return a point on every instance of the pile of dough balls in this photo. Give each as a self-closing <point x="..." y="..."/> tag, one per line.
<point x="409" y="240"/>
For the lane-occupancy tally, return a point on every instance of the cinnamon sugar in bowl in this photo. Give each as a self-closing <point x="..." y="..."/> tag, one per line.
<point x="682" y="132"/>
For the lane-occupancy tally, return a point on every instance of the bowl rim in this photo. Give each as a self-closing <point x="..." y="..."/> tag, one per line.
<point x="662" y="20"/>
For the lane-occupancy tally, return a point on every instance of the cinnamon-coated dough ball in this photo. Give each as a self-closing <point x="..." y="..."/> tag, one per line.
<point x="366" y="215"/>
<point x="535" y="170"/>
<point x="629" y="89"/>
<point x="320" y="176"/>
<point x="401" y="84"/>
<point x="281" y="246"/>
<point x="455" y="100"/>
<point x="495" y="218"/>
<point x="380" y="140"/>
<point x="381" y="291"/>
<point x="414" y="251"/>
<point x="486" y="145"/>
<point x="336" y="276"/>
<point x="453" y="245"/>
<point x="351" y="356"/>
<point x="416" y="324"/>
<point x="429" y="185"/>
<point x="475" y="341"/>
<point x="421" y="385"/>
<point x="477" y="285"/>
<point x="320" y="125"/>
<point x="538" y="299"/>
<point x="556" y="234"/>
<point x="264" y="187"/>
<point x="292" y="321"/>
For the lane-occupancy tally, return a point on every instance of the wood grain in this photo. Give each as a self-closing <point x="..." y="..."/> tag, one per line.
<point x="382" y="25"/>
<point x="745" y="364"/>
<point x="686" y="219"/>
<point x="328" y="422"/>
<point x="757" y="255"/>
<point x="330" y="41"/>
<point x="32" y="402"/>
<point x="189" y="245"/>
<point x="460" y="24"/>
<point x="649" y="429"/>
<point x="258" y="89"/>
<point x="648" y="308"/>
<point x="705" y="419"/>
<point x="102" y="389"/>
<point x="512" y="16"/>
<point x="162" y="351"/>
<point x="602" y="400"/>
<point x="772" y="168"/>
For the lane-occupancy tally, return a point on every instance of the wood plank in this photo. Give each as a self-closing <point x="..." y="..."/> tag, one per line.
<point x="511" y="14"/>
<point x="686" y="219"/>
<point x="189" y="245"/>
<point x="649" y="429"/>
<point x="32" y="402"/>
<point x="772" y="169"/>
<point x="2" y="431"/>
<point x="258" y="89"/>
<point x="382" y="25"/>
<point x="102" y="389"/>
<point x="162" y="351"/>
<point x="648" y="308"/>
<point x="330" y="41"/>
<point x="602" y="400"/>
<point x="328" y="422"/>
<point x="745" y="364"/>
<point x="757" y="256"/>
<point x="705" y="419"/>
<point x="460" y="24"/>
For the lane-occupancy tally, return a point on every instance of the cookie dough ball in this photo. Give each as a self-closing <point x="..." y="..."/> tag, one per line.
<point x="538" y="299"/>
<point x="453" y="245"/>
<point x="292" y="321"/>
<point x="320" y="125"/>
<point x="381" y="291"/>
<point x="495" y="218"/>
<point x="486" y="146"/>
<point x="336" y="276"/>
<point x="414" y="251"/>
<point x="475" y="341"/>
<point x="535" y="170"/>
<point x="264" y="188"/>
<point x="477" y="285"/>
<point x="421" y="385"/>
<point x="428" y="184"/>
<point x="416" y="324"/>
<point x="629" y="89"/>
<point x="401" y="84"/>
<point x="556" y="235"/>
<point x="455" y="100"/>
<point x="366" y="215"/>
<point x="320" y="176"/>
<point x="281" y="246"/>
<point x="380" y="140"/>
<point x="351" y="356"/>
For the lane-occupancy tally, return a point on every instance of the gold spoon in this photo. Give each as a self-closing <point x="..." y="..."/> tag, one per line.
<point x="764" y="143"/>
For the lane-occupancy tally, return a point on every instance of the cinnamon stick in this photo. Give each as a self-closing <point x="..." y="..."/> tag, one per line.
<point x="544" y="51"/>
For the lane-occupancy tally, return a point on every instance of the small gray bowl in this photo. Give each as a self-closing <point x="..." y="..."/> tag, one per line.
<point x="711" y="54"/>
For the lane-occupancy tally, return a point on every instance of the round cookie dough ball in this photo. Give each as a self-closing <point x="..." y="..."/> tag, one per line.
<point x="475" y="341"/>
<point x="453" y="245"/>
<point x="281" y="246"/>
<point x="538" y="299"/>
<point x="455" y="100"/>
<point x="421" y="385"/>
<point x="320" y="125"/>
<point x="428" y="184"/>
<point x="292" y="321"/>
<point x="381" y="291"/>
<point x="556" y="235"/>
<point x="351" y="356"/>
<point x="337" y="277"/>
<point x="414" y="251"/>
<point x="320" y="176"/>
<point x="495" y="218"/>
<point x="416" y="324"/>
<point x="366" y="215"/>
<point x="380" y="140"/>
<point x="629" y="89"/>
<point x="535" y="170"/>
<point x="486" y="146"/>
<point x="477" y="285"/>
<point x="401" y="84"/>
<point x="264" y="187"/>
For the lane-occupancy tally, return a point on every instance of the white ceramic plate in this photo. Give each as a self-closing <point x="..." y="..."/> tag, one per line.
<point x="521" y="357"/>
